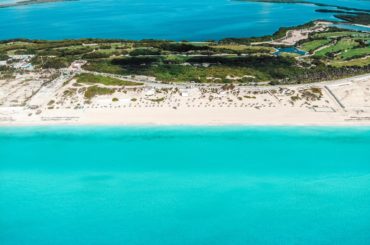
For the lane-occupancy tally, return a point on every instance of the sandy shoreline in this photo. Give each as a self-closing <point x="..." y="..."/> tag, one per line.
<point x="344" y="102"/>
<point x="191" y="117"/>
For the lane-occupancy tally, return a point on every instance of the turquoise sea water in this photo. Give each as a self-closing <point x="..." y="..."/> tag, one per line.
<point x="353" y="27"/>
<point x="158" y="19"/>
<point x="191" y="185"/>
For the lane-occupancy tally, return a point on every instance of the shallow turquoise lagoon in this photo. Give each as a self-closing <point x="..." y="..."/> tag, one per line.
<point x="158" y="19"/>
<point x="193" y="185"/>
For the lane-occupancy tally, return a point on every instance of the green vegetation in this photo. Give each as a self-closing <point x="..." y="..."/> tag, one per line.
<point x="340" y="49"/>
<point x="335" y="53"/>
<point x="104" y="66"/>
<point x="158" y="100"/>
<point x="206" y="68"/>
<point x="360" y="62"/>
<point x="243" y="48"/>
<point x="183" y="47"/>
<point x="313" y="3"/>
<point x="201" y="74"/>
<point x="315" y="44"/>
<point x="51" y="62"/>
<point x="341" y="45"/>
<point x="336" y="34"/>
<point x="277" y="35"/>
<point x="3" y="56"/>
<point x="93" y="91"/>
<point x="312" y="94"/>
<point x="145" y="51"/>
<point x="355" y="53"/>
<point x="359" y="18"/>
<point x="109" y="81"/>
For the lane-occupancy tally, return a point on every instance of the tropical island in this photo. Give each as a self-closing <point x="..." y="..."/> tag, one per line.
<point x="151" y="81"/>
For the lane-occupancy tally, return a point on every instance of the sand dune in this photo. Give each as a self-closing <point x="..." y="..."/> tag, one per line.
<point x="342" y="102"/>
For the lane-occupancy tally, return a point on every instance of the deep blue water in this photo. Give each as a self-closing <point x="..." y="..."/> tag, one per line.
<point x="158" y="19"/>
<point x="190" y="185"/>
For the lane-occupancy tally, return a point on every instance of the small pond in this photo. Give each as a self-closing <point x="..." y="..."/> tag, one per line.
<point x="293" y="50"/>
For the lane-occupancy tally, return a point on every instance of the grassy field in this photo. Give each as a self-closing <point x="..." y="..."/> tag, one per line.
<point x="225" y="61"/>
<point x="361" y="62"/>
<point x="357" y="52"/>
<point x="108" y="81"/>
<point x="104" y="66"/>
<point x="93" y="91"/>
<point x="218" y="74"/>
<point x="315" y="44"/>
<point x="340" y="34"/>
<point x="341" y="45"/>
<point x="205" y="69"/>
<point x="245" y="48"/>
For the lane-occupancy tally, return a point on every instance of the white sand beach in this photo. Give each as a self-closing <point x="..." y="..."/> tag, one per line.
<point x="343" y="102"/>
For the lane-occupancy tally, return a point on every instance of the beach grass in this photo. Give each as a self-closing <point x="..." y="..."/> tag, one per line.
<point x="108" y="81"/>
<point x="361" y="62"/>
<point x="93" y="91"/>
<point x="245" y="48"/>
<point x="337" y="34"/>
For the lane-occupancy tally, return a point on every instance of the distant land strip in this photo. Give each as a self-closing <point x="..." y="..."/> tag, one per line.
<point x="307" y="2"/>
<point x="352" y="15"/>
<point x="29" y="2"/>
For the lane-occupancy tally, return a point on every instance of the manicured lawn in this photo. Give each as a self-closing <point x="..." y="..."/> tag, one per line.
<point x="342" y="45"/>
<point x="357" y="52"/>
<point x="315" y="44"/>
